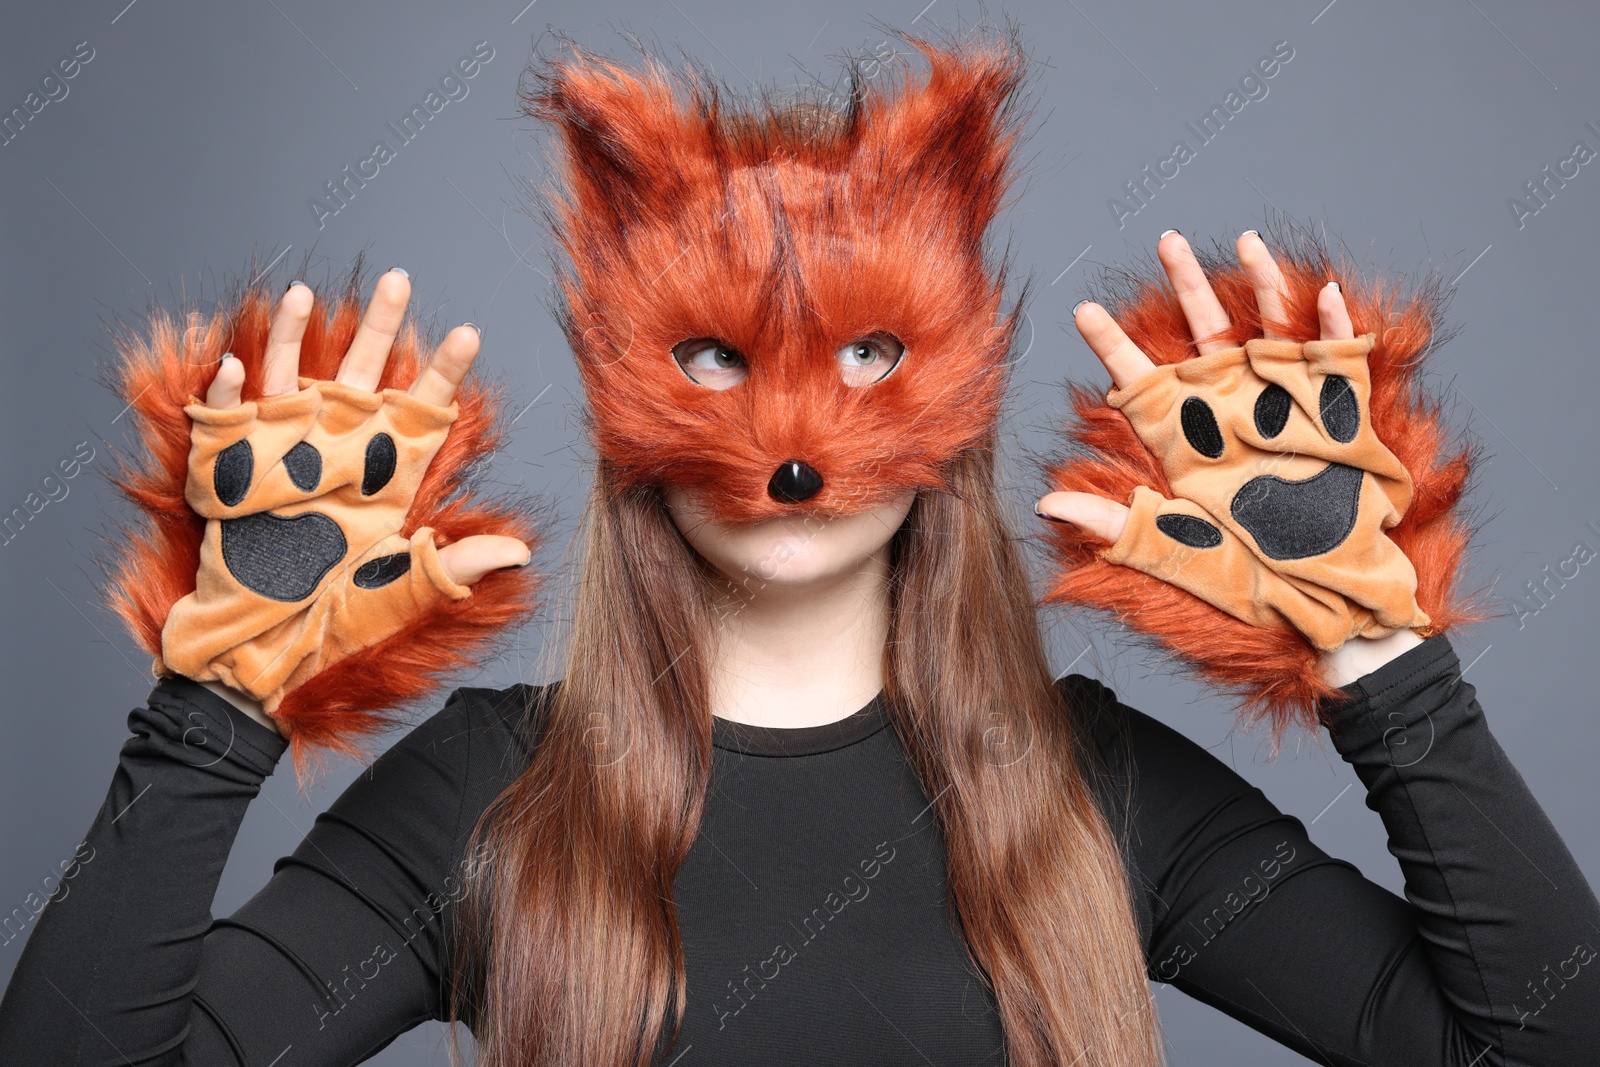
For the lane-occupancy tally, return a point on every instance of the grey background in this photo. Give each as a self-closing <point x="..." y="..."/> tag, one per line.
<point x="198" y="132"/>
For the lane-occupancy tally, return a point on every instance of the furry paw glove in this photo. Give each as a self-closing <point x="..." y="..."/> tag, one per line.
<point x="1285" y="495"/>
<point x="288" y="547"/>
<point x="1283" y="490"/>
<point x="303" y="560"/>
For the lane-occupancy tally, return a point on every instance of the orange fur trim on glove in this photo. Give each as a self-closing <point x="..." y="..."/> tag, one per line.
<point x="207" y="580"/>
<point x="1285" y="495"/>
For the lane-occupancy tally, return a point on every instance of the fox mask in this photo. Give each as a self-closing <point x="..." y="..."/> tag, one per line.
<point x="784" y="307"/>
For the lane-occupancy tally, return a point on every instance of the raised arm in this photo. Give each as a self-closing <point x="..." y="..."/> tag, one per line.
<point x="109" y="966"/>
<point x="341" y="951"/>
<point x="1484" y="963"/>
<point x="312" y="558"/>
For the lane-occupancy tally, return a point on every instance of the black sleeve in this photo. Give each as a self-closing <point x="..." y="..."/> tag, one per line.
<point x="1489" y="960"/>
<point x="337" y="955"/>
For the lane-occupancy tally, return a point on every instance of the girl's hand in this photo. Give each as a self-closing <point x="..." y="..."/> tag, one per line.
<point x="1301" y="541"/>
<point x="1206" y="317"/>
<point x="466" y="560"/>
<point x="305" y="491"/>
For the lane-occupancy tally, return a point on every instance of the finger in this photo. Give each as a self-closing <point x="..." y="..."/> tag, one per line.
<point x="470" y="558"/>
<point x="1265" y="278"/>
<point x="1200" y="305"/>
<point x="438" y="381"/>
<point x="228" y="383"/>
<point x="363" y="362"/>
<point x="1095" y="514"/>
<point x="1333" y="315"/>
<point x="1105" y="338"/>
<point x="280" y="366"/>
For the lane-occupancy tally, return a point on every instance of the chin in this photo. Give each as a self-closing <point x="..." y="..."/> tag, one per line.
<point x="788" y="552"/>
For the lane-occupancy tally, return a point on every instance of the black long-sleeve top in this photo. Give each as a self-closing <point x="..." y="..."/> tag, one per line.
<point x="812" y="905"/>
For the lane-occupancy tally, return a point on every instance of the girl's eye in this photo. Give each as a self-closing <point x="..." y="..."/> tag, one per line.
<point x="870" y="359"/>
<point x="709" y="362"/>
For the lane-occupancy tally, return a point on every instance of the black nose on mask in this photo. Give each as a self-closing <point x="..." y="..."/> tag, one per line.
<point x="794" y="481"/>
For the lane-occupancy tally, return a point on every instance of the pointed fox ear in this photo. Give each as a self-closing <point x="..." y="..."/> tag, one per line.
<point x="639" y="145"/>
<point x="952" y="137"/>
<point x="625" y="135"/>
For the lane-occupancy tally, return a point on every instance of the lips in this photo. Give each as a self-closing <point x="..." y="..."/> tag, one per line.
<point x="1294" y="520"/>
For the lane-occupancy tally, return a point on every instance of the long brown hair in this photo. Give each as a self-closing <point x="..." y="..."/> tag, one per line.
<point x="568" y="950"/>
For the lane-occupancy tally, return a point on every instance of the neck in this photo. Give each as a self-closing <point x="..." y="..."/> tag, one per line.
<point x="803" y="654"/>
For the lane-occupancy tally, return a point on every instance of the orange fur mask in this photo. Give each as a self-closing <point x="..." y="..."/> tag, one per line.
<point x="790" y="241"/>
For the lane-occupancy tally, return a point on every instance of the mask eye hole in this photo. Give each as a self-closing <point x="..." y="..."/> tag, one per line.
<point x="709" y="362"/>
<point x="870" y="359"/>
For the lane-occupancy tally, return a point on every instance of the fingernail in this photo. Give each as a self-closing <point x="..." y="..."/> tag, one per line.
<point x="1337" y="286"/>
<point x="1165" y="232"/>
<point x="475" y="326"/>
<point x="1257" y="233"/>
<point x="1078" y="305"/>
<point x="400" y="271"/>
<point x="1042" y="515"/>
<point x="292" y="284"/>
<point x="229" y="355"/>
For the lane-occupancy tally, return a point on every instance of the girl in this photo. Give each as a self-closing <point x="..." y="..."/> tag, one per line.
<point x="806" y="791"/>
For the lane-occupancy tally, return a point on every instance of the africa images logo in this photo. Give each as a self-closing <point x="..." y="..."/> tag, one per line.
<point x="452" y="86"/>
<point x="1138" y="192"/>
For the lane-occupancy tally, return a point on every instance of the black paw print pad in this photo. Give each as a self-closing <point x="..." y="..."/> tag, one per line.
<point x="1288" y="519"/>
<point x="285" y="557"/>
